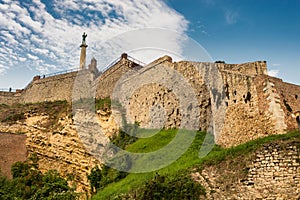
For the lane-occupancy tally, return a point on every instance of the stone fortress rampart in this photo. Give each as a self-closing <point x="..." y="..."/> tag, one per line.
<point x="257" y="104"/>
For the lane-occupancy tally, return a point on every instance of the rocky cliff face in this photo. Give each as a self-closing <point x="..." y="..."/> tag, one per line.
<point x="55" y="140"/>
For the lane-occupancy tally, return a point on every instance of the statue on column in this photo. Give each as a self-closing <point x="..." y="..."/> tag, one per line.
<point x="83" y="37"/>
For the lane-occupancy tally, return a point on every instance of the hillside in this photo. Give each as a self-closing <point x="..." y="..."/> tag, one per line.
<point x="223" y="174"/>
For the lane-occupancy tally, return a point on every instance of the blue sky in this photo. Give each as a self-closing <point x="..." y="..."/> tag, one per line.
<point x="43" y="36"/>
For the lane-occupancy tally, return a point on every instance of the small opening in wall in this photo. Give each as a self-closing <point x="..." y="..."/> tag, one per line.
<point x="288" y="107"/>
<point x="227" y="90"/>
<point x="234" y="92"/>
<point x="296" y="96"/>
<point x="298" y="121"/>
<point x="234" y="101"/>
<point x="248" y="97"/>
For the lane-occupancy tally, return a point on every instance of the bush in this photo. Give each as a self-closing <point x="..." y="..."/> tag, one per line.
<point x="179" y="187"/>
<point x="100" y="178"/>
<point x="29" y="183"/>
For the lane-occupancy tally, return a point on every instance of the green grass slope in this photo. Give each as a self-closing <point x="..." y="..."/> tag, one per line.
<point x="175" y="177"/>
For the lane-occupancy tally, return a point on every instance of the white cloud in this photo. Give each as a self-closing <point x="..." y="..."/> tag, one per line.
<point x="22" y="59"/>
<point x="273" y="72"/>
<point x="32" y="57"/>
<point x="50" y="41"/>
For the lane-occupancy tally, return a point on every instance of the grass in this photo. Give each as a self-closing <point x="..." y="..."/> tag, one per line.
<point x="144" y="145"/>
<point x="186" y="162"/>
<point x="92" y="104"/>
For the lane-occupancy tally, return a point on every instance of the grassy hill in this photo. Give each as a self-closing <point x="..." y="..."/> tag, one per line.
<point x="175" y="179"/>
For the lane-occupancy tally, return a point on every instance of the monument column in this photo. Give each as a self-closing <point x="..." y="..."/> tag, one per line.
<point x="83" y="47"/>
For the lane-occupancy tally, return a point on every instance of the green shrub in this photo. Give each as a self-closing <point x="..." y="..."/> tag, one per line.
<point x="179" y="187"/>
<point x="100" y="178"/>
<point x="29" y="183"/>
<point x="103" y="104"/>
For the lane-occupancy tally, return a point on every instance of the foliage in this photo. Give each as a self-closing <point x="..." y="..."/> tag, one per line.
<point x="100" y="178"/>
<point x="123" y="139"/>
<point x="92" y="104"/>
<point x="178" y="187"/>
<point x="29" y="183"/>
<point x="220" y="61"/>
<point x="103" y="104"/>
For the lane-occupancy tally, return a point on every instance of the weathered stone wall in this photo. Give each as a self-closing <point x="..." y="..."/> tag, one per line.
<point x="250" y="68"/>
<point x="280" y="100"/>
<point x="290" y="100"/>
<point x="162" y="93"/>
<point x="52" y="88"/>
<point x="104" y="85"/>
<point x="149" y="97"/>
<point x="9" y="98"/>
<point x="275" y="172"/>
<point x="160" y="104"/>
<point x="244" y="120"/>
<point x="272" y="172"/>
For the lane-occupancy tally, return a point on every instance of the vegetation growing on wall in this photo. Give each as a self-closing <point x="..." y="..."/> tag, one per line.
<point x="19" y="112"/>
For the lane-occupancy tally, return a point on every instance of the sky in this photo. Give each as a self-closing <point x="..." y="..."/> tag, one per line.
<point x="43" y="36"/>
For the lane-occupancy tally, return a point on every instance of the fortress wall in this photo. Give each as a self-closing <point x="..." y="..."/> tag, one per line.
<point x="52" y="88"/>
<point x="247" y="118"/>
<point x="9" y="98"/>
<point x="106" y="82"/>
<point x="244" y="119"/>
<point x="190" y="72"/>
<point x="289" y="96"/>
<point x="158" y="104"/>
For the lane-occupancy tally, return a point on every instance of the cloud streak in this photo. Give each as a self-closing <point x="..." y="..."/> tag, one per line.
<point x="231" y="17"/>
<point x="46" y="36"/>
